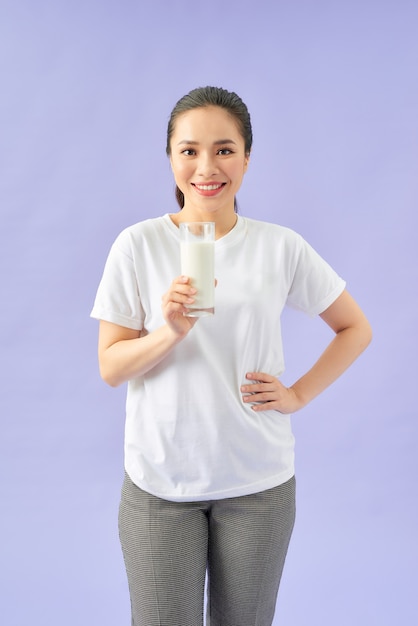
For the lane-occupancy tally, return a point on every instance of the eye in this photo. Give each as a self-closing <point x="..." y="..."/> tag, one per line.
<point x="225" y="151"/>
<point x="189" y="152"/>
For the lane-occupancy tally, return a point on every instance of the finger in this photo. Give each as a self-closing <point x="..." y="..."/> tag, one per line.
<point x="176" y="298"/>
<point x="254" y="388"/>
<point x="182" y="284"/>
<point x="264" y="407"/>
<point x="259" y="397"/>
<point x="260" y="376"/>
<point x="179" y="292"/>
<point x="178" y="303"/>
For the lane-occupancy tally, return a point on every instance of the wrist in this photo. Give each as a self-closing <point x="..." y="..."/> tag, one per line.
<point x="300" y="399"/>
<point x="175" y="335"/>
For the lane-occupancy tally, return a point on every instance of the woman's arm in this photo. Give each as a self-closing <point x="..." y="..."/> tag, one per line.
<point x="353" y="335"/>
<point x="124" y="354"/>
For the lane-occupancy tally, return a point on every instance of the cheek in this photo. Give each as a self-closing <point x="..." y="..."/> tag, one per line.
<point x="180" y="170"/>
<point x="238" y="172"/>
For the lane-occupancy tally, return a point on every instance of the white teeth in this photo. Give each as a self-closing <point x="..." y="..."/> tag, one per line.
<point x="208" y="187"/>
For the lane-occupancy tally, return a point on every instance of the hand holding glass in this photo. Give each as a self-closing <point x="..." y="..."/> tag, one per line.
<point x="197" y="251"/>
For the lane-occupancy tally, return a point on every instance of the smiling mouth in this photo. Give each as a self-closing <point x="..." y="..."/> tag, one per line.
<point x="212" y="187"/>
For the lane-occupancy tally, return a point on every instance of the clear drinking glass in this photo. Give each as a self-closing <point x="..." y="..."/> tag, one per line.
<point x="197" y="250"/>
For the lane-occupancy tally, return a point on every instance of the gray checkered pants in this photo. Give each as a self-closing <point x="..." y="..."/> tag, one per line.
<point x="169" y="546"/>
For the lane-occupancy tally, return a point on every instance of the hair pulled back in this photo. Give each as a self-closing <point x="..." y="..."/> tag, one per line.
<point x="211" y="96"/>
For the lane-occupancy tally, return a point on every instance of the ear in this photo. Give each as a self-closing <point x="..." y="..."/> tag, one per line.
<point x="246" y="161"/>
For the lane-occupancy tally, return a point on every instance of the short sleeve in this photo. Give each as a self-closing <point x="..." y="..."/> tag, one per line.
<point x="118" y="299"/>
<point x="315" y="284"/>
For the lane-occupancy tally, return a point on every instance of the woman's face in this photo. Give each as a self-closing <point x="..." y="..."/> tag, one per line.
<point x="208" y="159"/>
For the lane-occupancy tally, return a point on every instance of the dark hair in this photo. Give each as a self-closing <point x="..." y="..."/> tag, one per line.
<point x="211" y="96"/>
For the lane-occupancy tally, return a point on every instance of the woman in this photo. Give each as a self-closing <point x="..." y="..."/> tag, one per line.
<point x="209" y="483"/>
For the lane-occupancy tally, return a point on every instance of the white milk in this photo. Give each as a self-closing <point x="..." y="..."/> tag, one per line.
<point x="197" y="262"/>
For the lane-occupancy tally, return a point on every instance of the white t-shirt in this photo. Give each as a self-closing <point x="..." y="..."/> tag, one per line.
<point x="188" y="434"/>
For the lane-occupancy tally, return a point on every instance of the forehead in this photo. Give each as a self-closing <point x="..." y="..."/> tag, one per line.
<point x="206" y="121"/>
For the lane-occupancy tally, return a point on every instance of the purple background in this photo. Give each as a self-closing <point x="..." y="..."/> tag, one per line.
<point x="86" y="90"/>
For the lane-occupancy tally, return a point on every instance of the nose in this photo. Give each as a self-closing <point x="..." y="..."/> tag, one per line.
<point x="207" y="165"/>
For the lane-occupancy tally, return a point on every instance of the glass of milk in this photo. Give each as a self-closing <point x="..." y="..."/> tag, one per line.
<point x="197" y="251"/>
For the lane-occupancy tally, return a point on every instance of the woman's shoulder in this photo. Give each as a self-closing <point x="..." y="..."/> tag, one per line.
<point x="150" y="228"/>
<point x="271" y="230"/>
<point x="148" y="225"/>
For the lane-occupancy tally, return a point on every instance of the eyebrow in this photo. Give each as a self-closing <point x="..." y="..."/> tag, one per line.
<point x="215" y="143"/>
